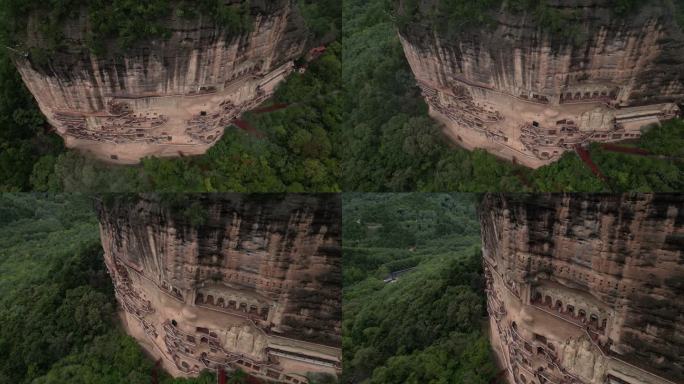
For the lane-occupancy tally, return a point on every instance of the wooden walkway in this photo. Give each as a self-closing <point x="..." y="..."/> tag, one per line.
<point x="585" y="156"/>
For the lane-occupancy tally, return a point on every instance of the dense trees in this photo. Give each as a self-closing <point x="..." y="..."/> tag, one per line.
<point x="423" y="328"/>
<point x="296" y="154"/>
<point x="355" y="121"/>
<point x="390" y="144"/>
<point x="23" y="138"/>
<point x="121" y="22"/>
<point x="323" y="18"/>
<point x="57" y="306"/>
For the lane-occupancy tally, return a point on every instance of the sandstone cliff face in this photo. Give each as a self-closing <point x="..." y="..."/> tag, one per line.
<point x="163" y="96"/>
<point x="247" y="280"/>
<point x="588" y="287"/>
<point x="527" y="93"/>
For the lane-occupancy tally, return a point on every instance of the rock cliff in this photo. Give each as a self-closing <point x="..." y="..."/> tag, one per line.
<point x="161" y="96"/>
<point x="528" y="85"/>
<point x="239" y="281"/>
<point x="586" y="288"/>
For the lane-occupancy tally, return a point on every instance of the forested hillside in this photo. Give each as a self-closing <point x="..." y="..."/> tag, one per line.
<point x="57" y="306"/>
<point x="390" y="143"/>
<point x="423" y="324"/>
<point x="292" y="150"/>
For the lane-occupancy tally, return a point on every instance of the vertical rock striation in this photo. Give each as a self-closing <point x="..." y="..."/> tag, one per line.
<point x="237" y="281"/>
<point x="162" y="96"/>
<point x="586" y="288"/>
<point x="527" y="94"/>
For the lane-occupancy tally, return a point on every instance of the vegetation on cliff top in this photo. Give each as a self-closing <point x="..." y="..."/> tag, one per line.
<point x="296" y="155"/>
<point x="123" y="21"/>
<point x="426" y="326"/>
<point x="391" y="144"/>
<point x="452" y="17"/>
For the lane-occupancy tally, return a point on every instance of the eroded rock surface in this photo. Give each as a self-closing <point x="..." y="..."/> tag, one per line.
<point x="527" y="94"/>
<point x="586" y="288"/>
<point x="163" y="97"/>
<point x="239" y="281"/>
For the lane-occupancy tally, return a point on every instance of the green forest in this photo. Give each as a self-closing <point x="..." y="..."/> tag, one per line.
<point x="57" y="305"/>
<point x="454" y="16"/>
<point x="427" y="325"/>
<point x="356" y="121"/>
<point x="390" y="143"/>
<point x="297" y="152"/>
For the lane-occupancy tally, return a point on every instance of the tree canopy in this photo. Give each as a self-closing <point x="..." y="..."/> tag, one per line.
<point x="57" y="306"/>
<point x="425" y="326"/>
<point x="391" y="144"/>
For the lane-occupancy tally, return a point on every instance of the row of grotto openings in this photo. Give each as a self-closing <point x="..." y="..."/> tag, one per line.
<point x="594" y="322"/>
<point x="252" y="310"/>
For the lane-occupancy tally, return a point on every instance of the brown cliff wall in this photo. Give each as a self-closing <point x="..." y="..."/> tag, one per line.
<point x="592" y="284"/>
<point x="529" y="93"/>
<point x="257" y="277"/>
<point x="162" y="96"/>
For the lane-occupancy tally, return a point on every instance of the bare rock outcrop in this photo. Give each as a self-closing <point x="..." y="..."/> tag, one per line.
<point x="586" y="288"/>
<point x="162" y="96"/>
<point x="237" y="281"/>
<point x="528" y="92"/>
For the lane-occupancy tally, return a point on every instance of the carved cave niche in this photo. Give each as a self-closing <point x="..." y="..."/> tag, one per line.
<point x="537" y="298"/>
<point x="528" y="347"/>
<point x="593" y="320"/>
<point x="559" y="306"/>
<point x="582" y="315"/>
<point x="570" y="309"/>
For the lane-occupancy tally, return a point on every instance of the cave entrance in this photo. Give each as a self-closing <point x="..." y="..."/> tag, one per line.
<point x="537" y="297"/>
<point x="559" y="306"/>
<point x="593" y="321"/>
